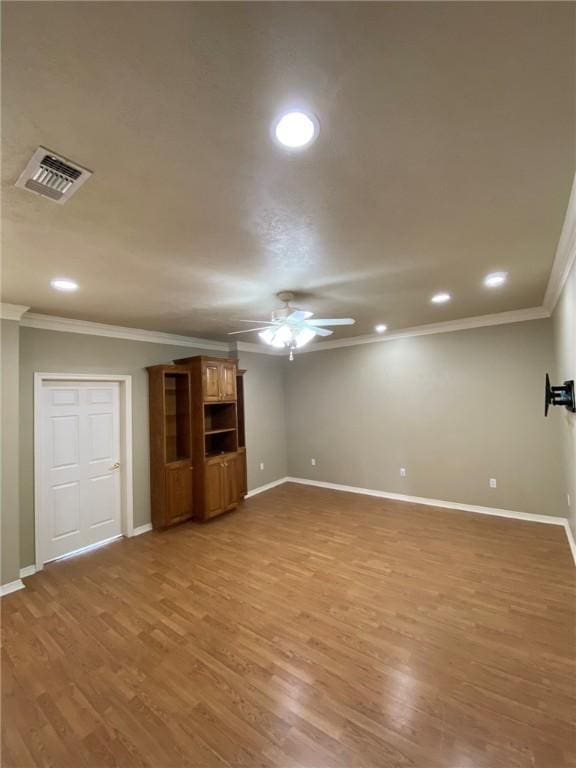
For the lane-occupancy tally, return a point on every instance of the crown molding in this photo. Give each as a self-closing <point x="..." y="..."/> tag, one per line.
<point x="12" y="311"/>
<point x="67" y="325"/>
<point x="465" y="324"/>
<point x="565" y="256"/>
<point x="260" y="349"/>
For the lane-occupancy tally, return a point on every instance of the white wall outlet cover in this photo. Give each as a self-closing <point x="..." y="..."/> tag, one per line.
<point x="261" y="465"/>
<point x="313" y="462"/>
<point x="492" y="482"/>
<point x="402" y="471"/>
<point x="568" y="499"/>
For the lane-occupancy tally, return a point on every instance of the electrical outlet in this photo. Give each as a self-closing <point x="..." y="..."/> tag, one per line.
<point x="261" y="465"/>
<point x="402" y="471"/>
<point x="568" y="499"/>
<point x="492" y="482"/>
<point x="313" y="462"/>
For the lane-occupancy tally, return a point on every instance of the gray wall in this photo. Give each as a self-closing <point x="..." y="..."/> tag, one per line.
<point x="10" y="565"/>
<point x="564" y="320"/>
<point x="57" y="352"/>
<point x="265" y="417"/>
<point x="455" y="409"/>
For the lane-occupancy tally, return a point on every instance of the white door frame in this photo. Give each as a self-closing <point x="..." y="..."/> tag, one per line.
<point x="126" y="457"/>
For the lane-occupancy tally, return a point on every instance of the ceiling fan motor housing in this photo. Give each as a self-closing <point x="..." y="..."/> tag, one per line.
<point x="281" y="314"/>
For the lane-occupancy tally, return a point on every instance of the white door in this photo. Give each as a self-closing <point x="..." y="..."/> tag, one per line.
<point x="80" y="476"/>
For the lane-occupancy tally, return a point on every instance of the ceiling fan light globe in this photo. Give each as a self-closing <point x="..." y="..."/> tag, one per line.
<point x="278" y="337"/>
<point x="303" y="336"/>
<point x="267" y="336"/>
<point x="284" y="335"/>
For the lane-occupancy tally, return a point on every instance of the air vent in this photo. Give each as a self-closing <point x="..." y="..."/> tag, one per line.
<point x="52" y="176"/>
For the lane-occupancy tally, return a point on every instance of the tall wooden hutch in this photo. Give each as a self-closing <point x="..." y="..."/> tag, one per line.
<point x="197" y="439"/>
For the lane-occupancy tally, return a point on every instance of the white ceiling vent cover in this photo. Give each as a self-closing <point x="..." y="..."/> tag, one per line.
<point x="52" y="176"/>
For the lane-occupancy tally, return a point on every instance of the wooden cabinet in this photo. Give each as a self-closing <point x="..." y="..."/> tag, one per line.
<point x="221" y="488"/>
<point x="196" y="411"/>
<point x="217" y="376"/>
<point x="171" y="470"/>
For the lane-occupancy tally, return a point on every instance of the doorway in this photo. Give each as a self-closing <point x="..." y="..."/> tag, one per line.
<point x="83" y="463"/>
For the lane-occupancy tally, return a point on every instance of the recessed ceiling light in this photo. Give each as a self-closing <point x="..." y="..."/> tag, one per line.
<point x="64" y="284"/>
<point x="440" y="298"/>
<point x="380" y="328"/>
<point x="495" y="279"/>
<point x="296" y="130"/>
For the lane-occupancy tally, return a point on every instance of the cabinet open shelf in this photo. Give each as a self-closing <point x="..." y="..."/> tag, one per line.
<point x="220" y="441"/>
<point x="219" y="416"/>
<point x="219" y="431"/>
<point x="220" y="426"/>
<point x="171" y="471"/>
<point x="177" y="417"/>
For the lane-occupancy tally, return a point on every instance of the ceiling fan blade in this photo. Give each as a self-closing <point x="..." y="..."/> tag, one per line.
<point x="298" y="315"/>
<point x="249" y="330"/>
<point x="262" y="322"/>
<point x="322" y="331"/>
<point x="332" y="321"/>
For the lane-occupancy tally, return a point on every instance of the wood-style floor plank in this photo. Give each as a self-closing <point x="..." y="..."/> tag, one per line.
<point x="310" y="629"/>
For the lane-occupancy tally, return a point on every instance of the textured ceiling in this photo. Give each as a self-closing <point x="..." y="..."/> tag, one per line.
<point x="446" y="151"/>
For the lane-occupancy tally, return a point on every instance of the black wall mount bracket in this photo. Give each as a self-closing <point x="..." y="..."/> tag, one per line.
<point x="560" y="395"/>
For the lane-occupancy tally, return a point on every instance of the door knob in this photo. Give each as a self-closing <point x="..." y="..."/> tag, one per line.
<point x="115" y="466"/>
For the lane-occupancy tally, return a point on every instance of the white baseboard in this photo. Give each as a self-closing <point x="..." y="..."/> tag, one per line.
<point x="434" y="502"/>
<point x="570" y="537"/>
<point x="29" y="570"/>
<point x="12" y="586"/>
<point x="142" y="529"/>
<point x="267" y="487"/>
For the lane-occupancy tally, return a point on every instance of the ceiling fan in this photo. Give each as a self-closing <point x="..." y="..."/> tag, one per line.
<point x="291" y="328"/>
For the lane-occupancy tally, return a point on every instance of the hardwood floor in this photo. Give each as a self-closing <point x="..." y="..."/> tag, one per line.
<point x="310" y="629"/>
